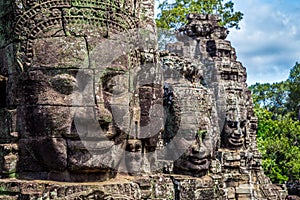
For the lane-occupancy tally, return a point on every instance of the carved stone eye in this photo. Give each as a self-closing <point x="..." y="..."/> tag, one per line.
<point x="138" y="147"/>
<point x="232" y="124"/>
<point x="243" y="124"/>
<point x="116" y="85"/>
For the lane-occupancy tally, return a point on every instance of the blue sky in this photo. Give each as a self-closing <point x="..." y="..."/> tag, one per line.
<point x="268" y="43"/>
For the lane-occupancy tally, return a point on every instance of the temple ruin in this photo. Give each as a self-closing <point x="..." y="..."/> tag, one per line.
<point x="91" y="109"/>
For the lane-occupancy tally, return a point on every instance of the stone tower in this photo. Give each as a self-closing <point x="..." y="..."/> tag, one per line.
<point x="86" y="97"/>
<point x="237" y="165"/>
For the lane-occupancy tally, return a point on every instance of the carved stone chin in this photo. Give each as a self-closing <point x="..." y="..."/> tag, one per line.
<point x="192" y="165"/>
<point x="200" y="146"/>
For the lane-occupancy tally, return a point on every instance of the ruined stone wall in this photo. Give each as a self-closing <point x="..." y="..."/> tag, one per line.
<point x="237" y="165"/>
<point x="85" y="96"/>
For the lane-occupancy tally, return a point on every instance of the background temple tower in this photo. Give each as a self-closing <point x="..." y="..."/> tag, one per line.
<point x="239" y="161"/>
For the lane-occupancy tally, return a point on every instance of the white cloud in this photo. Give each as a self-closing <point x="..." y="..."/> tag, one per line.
<point x="268" y="41"/>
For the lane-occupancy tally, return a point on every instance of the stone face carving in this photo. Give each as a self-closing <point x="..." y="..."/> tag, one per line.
<point x="72" y="101"/>
<point x="198" y="137"/>
<point x="234" y="131"/>
<point x="189" y="111"/>
<point x="85" y="95"/>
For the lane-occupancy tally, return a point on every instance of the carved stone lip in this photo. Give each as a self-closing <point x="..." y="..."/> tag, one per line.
<point x="198" y="161"/>
<point x="236" y="141"/>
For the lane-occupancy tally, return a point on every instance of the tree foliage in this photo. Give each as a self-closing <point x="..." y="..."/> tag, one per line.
<point x="272" y="97"/>
<point x="173" y="15"/>
<point x="279" y="98"/>
<point x="278" y="129"/>
<point x="293" y="82"/>
<point x="279" y="143"/>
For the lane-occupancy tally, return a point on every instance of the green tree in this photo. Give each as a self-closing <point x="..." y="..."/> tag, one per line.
<point x="279" y="143"/>
<point x="279" y="136"/>
<point x="272" y="97"/>
<point x="293" y="82"/>
<point x="173" y="15"/>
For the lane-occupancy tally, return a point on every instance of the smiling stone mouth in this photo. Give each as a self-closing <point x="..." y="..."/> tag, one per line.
<point x="198" y="161"/>
<point x="236" y="141"/>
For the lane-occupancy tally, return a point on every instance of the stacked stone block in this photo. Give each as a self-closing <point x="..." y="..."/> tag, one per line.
<point x="238" y="162"/>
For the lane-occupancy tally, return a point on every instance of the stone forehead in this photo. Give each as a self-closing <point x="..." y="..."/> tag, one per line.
<point x="236" y="115"/>
<point x="90" y="20"/>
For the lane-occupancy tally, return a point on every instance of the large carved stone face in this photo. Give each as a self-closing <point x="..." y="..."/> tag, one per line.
<point x="65" y="134"/>
<point x="234" y="131"/>
<point x="190" y="121"/>
<point x="197" y="158"/>
<point x="64" y="128"/>
<point x="129" y="111"/>
<point x="71" y="123"/>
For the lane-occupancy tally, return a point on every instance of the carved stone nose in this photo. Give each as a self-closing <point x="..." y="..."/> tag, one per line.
<point x="237" y="133"/>
<point x="198" y="148"/>
<point x="103" y="115"/>
<point x="195" y="148"/>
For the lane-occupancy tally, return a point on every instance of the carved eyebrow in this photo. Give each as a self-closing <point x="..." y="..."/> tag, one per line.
<point x="114" y="71"/>
<point x="110" y="72"/>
